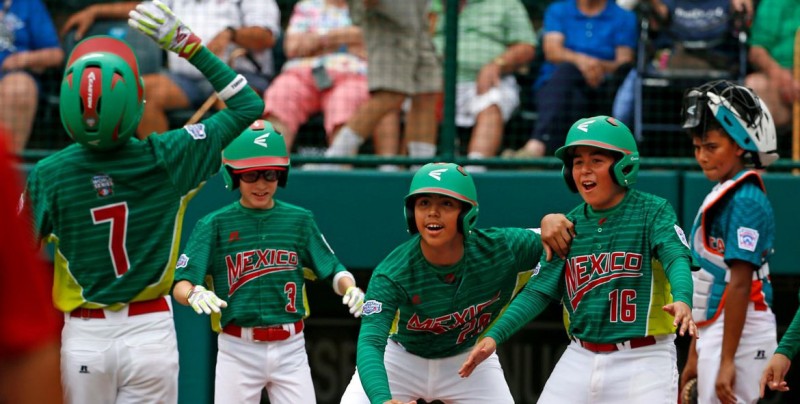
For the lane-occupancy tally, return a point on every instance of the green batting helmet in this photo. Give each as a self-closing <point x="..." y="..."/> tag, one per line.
<point x="259" y="147"/>
<point x="102" y="93"/>
<point x="446" y="179"/>
<point x="607" y="133"/>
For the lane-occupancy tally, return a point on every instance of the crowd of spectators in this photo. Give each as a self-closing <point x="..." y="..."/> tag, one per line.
<point x="371" y="69"/>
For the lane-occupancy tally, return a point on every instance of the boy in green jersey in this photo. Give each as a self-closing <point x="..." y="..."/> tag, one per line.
<point x="255" y="251"/>
<point x="626" y="276"/>
<point x="778" y="366"/>
<point x="113" y="206"/>
<point x="436" y="293"/>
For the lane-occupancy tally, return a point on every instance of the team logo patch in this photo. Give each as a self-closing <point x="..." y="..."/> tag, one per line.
<point x="183" y="261"/>
<point x="371" y="307"/>
<point x="103" y="185"/>
<point x="681" y="235"/>
<point x="197" y="131"/>
<point x="536" y="269"/>
<point x="748" y="238"/>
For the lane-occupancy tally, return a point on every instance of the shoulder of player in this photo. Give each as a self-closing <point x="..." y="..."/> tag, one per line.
<point x="401" y="258"/>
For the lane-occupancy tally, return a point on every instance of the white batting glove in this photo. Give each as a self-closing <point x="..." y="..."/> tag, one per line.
<point x="157" y="21"/>
<point x="354" y="299"/>
<point x="203" y="300"/>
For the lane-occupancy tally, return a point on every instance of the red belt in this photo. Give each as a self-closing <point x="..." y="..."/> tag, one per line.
<point x="634" y="343"/>
<point x="134" y="309"/>
<point x="265" y="334"/>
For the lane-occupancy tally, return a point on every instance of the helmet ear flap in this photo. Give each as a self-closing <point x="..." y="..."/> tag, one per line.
<point x="411" y="221"/>
<point x="231" y="181"/>
<point x="566" y="171"/>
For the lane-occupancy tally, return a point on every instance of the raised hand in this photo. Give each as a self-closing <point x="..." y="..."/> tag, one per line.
<point x="157" y="21"/>
<point x="203" y="300"/>
<point x="354" y="299"/>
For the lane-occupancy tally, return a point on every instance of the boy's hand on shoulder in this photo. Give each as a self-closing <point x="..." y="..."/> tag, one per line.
<point x="156" y="20"/>
<point x="557" y="233"/>
<point x="683" y="318"/>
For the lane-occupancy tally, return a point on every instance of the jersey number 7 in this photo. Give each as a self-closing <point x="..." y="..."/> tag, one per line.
<point x="117" y="216"/>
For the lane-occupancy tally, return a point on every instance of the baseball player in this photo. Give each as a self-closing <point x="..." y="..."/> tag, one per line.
<point x="781" y="360"/>
<point x="113" y="206"/>
<point x="255" y="251"/>
<point x="733" y="234"/>
<point x="626" y="276"/>
<point x="436" y="293"/>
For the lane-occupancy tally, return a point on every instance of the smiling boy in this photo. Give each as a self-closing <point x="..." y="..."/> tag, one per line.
<point x="256" y="251"/>
<point x="625" y="284"/>
<point x="437" y="292"/>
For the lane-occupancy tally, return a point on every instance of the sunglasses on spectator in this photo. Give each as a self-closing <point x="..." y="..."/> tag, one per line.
<point x="252" y="176"/>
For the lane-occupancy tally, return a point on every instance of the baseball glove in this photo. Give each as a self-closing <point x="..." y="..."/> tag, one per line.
<point x="689" y="392"/>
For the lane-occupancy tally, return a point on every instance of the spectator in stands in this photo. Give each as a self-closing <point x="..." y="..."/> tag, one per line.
<point x="588" y="48"/>
<point x="402" y="62"/>
<point x="495" y="39"/>
<point x="688" y="34"/>
<point x="771" y="51"/>
<point x="28" y="45"/>
<point x="326" y="69"/>
<point x="250" y="24"/>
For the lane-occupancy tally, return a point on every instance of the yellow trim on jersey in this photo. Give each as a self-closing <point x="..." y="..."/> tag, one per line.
<point x="659" y="322"/>
<point x="522" y="280"/>
<point x="68" y="294"/>
<point x="395" y="323"/>
<point x="306" y="305"/>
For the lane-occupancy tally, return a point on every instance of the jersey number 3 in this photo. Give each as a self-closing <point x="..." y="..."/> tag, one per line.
<point x="117" y="216"/>
<point x="622" y="306"/>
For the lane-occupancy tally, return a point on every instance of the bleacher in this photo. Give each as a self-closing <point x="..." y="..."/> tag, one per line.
<point x="663" y="106"/>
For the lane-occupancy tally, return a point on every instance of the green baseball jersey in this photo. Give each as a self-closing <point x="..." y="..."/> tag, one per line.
<point x="790" y="342"/>
<point x="437" y="312"/>
<point x="256" y="260"/>
<point x="115" y="216"/>
<point x="620" y="269"/>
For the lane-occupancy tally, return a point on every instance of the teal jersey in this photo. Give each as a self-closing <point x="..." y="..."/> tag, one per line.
<point x="256" y="261"/>
<point x="624" y="264"/>
<point x="438" y="312"/>
<point x="115" y="216"/>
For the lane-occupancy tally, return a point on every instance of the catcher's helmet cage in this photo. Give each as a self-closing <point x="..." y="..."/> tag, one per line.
<point x="258" y="147"/>
<point x="740" y="112"/>
<point x="102" y="93"/>
<point x="446" y="179"/>
<point x="607" y="133"/>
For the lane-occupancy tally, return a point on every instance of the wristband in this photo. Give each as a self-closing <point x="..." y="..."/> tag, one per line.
<point x="233" y="88"/>
<point x="190" y="293"/>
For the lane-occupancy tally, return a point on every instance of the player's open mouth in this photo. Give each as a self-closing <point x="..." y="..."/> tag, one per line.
<point x="432" y="227"/>
<point x="588" y="185"/>
<point x="260" y="194"/>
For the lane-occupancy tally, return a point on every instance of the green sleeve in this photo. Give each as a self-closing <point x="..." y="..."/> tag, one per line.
<point x="39" y="206"/>
<point x="680" y="280"/>
<point x="192" y="154"/>
<point x="194" y="262"/>
<point x="544" y="286"/>
<point x="790" y="342"/>
<point x="672" y="249"/>
<point x="525" y="307"/>
<point x="381" y="302"/>
<point x="527" y="247"/>
<point x="520" y="29"/>
<point x="318" y="254"/>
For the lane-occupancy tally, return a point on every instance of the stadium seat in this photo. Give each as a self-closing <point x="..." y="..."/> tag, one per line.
<point x="658" y="91"/>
